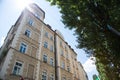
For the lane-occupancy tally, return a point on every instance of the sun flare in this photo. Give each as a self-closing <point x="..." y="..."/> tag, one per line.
<point x="21" y="4"/>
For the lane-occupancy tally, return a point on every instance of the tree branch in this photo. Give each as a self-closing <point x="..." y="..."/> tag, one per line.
<point x="113" y="30"/>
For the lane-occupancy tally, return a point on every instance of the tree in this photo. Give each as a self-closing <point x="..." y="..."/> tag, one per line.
<point x="97" y="29"/>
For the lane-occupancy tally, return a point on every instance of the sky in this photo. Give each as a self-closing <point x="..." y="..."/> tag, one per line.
<point x="10" y="10"/>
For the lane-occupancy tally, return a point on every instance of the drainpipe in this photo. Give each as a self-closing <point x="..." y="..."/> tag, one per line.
<point x="55" y="56"/>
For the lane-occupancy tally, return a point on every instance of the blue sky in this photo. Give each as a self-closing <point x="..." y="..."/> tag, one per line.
<point x="11" y="10"/>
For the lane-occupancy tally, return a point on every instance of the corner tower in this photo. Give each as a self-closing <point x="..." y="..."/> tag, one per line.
<point x="37" y="11"/>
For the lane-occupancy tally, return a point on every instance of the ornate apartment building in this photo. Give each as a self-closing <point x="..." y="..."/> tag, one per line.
<point x="33" y="51"/>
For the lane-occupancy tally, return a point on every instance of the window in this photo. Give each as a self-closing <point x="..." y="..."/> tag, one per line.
<point x="63" y="65"/>
<point x="65" y="48"/>
<point x="51" y="48"/>
<point x="63" y="78"/>
<point x="45" y="58"/>
<point x="37" y="15"/>
<point x="51" y="77"/>
<point x="62" y="53"/>
<point x="68" y="68"/>
<point x="51" y="61"/>
<point x="51" y="38"/>
<point x="44" y="75"/>
<point x="17" y="68"/>
<point x="60" y="43"/>
<point x="30" y="22"/>
<point x="67" y="55"/>
<point x="46" y="34"/>
<point x="69" y="79"/>
<point x="27" y="33"/>
<point x="74" y="74"/>
<point x="45" y="45"/>
<point x="23" y="48"/>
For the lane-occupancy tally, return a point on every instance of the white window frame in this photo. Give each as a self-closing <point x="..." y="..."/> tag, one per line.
<point x="31" y="22"/>
<point x="51" y="61"/>
<point x="63" y="78"/>
<point x="21" y="68"/>
<point x="44" y="72"/>
<point x="63" y="64"/>
<point x="45" y="44"/>
<point x="27" y="33"/>
<point x="45" y="58"/>
<point x="51" y="38"/>
<point x="37" y="15"/>
<point x="51" y="48"/>
<point x="68" y="68"/>
<point x="22" y="51"/>
<point x="46" y="34"/>
<point x="52" y="76"/>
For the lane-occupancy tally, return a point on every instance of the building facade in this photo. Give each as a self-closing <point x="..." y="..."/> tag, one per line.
<point x="33" y="51"/>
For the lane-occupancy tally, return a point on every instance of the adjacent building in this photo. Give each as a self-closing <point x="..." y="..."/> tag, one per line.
<point x="33" y="51"/>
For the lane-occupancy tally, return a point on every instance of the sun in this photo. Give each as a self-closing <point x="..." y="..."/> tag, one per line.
<point x="21" y="4"/>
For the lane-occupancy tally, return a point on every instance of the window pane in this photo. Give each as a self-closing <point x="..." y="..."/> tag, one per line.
<point x="23" y="48"/>
<point x="51" y="61"/>
<point x="46" y="34"/>
<point x="45" y="44"/>
<point x="27" y="33"/>
<point x="63" y="78"/>
<point x="63" y="65"/>
<point x="51" y="48"/>
<point x="37" y="15"/>
<point x="68" y="68"/>
<point x="45" y="58"/>
<point x="51" y="77"/>
<point x="44" y="76"/>
<point x="30" y="22"/>
<point x="51" y="38"/>
<point x="17" y="68"/>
